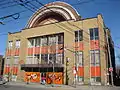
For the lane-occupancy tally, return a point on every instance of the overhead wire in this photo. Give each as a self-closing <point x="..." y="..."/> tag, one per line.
<point x="62" y="24"/>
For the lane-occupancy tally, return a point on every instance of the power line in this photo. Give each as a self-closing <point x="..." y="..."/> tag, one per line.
<point x="14" y="5"/>
<point x="13" y="15"/>
<point x="6" y="3"/>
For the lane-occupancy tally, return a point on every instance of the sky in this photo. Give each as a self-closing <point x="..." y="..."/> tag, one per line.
<point x="110" y="9"/>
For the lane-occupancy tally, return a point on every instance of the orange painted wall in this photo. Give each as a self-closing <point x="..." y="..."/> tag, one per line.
<point x="46" y="49"/>
<point x="15" y="70"/>
<point x="79" y="46"/>
<point x="30" y="51"/>
<point x="9" y="52"/>
<point x="35" y="77"/>
<point x="56" y="77"/>
<point x="37" y="50"/>
<point x="16" y="52"/>
<point x="7" y="70"/>
<point x="94" y="44"/>
<point x="80" y="71"/>
<point x="95" y="71"/>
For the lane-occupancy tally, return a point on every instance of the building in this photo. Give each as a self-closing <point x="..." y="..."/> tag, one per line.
<point x="58" y="46"/>
<point x="1" y="65"/>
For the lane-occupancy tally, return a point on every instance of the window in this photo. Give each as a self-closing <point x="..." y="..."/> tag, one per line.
<point x="52" y="58"/>
<point x="44" y="41"/>
<point x="78" y="36"/>
<point x="79" y="57"/>
<point x="32" y="60"/>
<point x="44" y="58"/>
<point x="59" y="58"/>
<point x="60" y="39"/>
<point x="30" y="42"/>
<point x="94" y="35"/>
<point x="17" y="44"/>
<point x="80" y="79"/>
<point x="95" y="79"/>
<point x="29" y="60"/>
<point x="37" y="42"/>
<point x="16" y="59"/>
<point x="95" y="57"/>
<point x="7" y="60"/>
<point x="53" y="40"/>
<point x="10" y="44"/>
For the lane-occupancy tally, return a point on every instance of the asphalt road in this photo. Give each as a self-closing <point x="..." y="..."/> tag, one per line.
<point x="12" y="87"/>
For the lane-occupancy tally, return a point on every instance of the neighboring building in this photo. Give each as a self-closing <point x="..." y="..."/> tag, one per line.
<point x="1" y="65"/>
<point x="56" y="41"/>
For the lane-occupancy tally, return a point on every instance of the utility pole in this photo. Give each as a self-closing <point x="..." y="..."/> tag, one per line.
<point x="109" y="54"/>
<point x="75" y="64"/>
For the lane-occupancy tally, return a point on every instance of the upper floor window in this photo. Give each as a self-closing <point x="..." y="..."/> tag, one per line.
<point x="44" y="41"/>
<point x="16" y="60"/>
<point x="30" y="42"/>
<point x="37" y="42"/>
<point x="17" y="44"/>
<point x="94" y="34"/>
<point x="79" y="57"/>
<point x="7" y="60"/>
<point x="78" y="36"/>
<point x="10" y="44"/>
<point x="95" y="57"/>
<point x="53" y="40"/>
<point x="60" y="39"/>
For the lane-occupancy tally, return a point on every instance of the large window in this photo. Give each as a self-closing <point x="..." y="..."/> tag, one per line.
<point x="7" y="60"/>
<point x="17" y="44"/>
<point x="44" y="58"/>
<point x="78" y="36"/>
<point x="59" y="58"/>
<point x="94" y="34"/>
<point x="60" y="39"/>
<point x="95" y="62"/>
<point x="44" y="41"/>
<point x="10" y="44"/>
<point x="16" y="60"/>
<point x="30" y="42"/>
<point x="52" y="58"/>
<point x="79" y="57"/>
<point x="37" y="42"/>
<point x="29" y="60"/>
<point x="95" y="57"/>
<point x="53" y="40"/>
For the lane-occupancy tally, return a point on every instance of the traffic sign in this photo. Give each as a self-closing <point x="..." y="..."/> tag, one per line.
<point x="110" y="69"/>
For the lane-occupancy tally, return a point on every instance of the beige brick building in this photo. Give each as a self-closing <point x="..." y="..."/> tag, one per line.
<point x="58" y="46"/>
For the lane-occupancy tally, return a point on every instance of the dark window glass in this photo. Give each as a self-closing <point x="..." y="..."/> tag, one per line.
<point x="52" y="57"/>
<point x="78" y="36"/>
<point x="91" y="34"/>
<point x="44" y="58"/>
<point x="60" y="39"/>
<point x="94" y="35"/>
<point x="98" y="79"/>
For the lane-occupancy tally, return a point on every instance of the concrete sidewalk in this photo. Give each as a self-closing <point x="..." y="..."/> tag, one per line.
<point x="65" y="87"/>
<point x="38" y="85"/>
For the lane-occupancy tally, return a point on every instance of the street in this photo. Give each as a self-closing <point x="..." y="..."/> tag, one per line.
<point x="29" y="87"/>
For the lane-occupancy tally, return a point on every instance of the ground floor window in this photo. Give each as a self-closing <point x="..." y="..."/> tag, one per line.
<point x="95" y="79"/>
